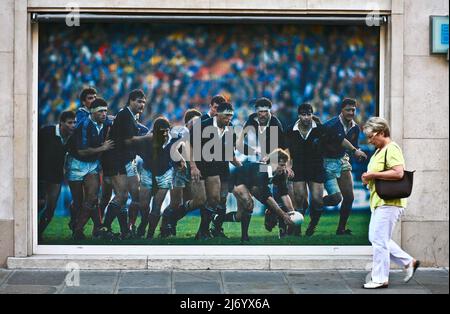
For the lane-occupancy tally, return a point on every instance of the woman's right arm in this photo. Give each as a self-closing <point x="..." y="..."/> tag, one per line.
<point x="395" y="173"/>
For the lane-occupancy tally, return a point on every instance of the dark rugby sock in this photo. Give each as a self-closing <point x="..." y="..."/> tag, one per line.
<point x="73" y="213"/>
<point x="230" y="217"/>
<point x="123" y="221"/>
<point x="153" y="221"/>
<point x="245" y="223"/>
<point x="221" y="211"/>
<point x="85" y="214"/>
<point x="167" y="217"/>
<point x="205" y="218"/>
<point x="112" y="211"/>
<point x="133" y="213"/>
<point x="182" y="211"/>
<point x="96" y="219"/>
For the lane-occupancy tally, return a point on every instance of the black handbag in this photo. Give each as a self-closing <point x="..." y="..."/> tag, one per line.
<point x="394" y="189"/>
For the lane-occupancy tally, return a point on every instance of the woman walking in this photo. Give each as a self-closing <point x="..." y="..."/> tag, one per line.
<point x="385" y="213"/>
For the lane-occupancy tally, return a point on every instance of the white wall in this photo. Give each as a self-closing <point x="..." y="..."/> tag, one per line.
<point x="426" y="125"/>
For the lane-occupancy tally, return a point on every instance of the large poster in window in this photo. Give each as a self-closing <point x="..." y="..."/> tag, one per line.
<point x="217" y="134"/>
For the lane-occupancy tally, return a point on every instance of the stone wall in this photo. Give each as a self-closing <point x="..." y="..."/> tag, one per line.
<point x="425" y="229"/>
<point x="6" y="129"/>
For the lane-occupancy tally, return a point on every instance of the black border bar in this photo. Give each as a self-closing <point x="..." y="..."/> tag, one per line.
<point x="369" y="20"/>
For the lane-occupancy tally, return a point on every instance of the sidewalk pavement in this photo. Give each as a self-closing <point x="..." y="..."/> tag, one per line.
<point x="426" y="281"/>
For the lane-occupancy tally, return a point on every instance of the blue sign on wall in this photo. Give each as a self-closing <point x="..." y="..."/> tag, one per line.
<point x="439" y="34"/>
<point x="444" y="34"/>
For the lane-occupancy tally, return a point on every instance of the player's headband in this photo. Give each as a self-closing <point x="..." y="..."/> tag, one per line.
<point x="262" y="108"/>
<point x="227" y="111"/>
<point x="97" y="109"/>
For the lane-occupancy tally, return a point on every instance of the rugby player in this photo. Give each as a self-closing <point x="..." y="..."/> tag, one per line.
<point x="120" y="163"/>
<point x="157" y="173"/>
<point x="83" y="165"/>
<point x="213" y="145"/>
<point x="304" y="141"/>
<point x="213" y="104"/>
<point x="183" y="197"/>
<point x="262" y="133"/>
<point x="217" y="231"/>
<point x="87" y="96"/>
<point x="51" y="155"/>
<point x="106" y="183"/>
<point x="256" y="135"/>
<point x="338" y="176"/>
<point x="253" y="179"/>
<point x="133" y="210"/>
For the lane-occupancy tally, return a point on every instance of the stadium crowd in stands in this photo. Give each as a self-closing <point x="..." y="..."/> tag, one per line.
<point x="182" y="66"/>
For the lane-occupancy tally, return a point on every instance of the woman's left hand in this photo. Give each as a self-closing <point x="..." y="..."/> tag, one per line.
<point x="366" y="177"/>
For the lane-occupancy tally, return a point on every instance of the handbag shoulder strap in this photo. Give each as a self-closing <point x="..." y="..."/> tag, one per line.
<point x="385" y="158"/>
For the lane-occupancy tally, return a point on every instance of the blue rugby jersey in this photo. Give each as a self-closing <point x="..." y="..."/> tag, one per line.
<point x="87" y="135"/>
<point x="162" y="162"/>
<point x="205" y="116"/>
<point x="81" y="115"/>
<point x="334" y="150"/>
<point x="143" y="130"/>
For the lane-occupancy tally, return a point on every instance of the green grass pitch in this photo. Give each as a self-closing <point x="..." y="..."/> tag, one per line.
<point x="58" y="233"/>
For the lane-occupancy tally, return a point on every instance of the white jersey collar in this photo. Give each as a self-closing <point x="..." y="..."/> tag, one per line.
<point x="296" y="128"/>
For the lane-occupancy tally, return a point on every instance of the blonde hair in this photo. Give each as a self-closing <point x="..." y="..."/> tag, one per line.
<point x="377" y="125"/>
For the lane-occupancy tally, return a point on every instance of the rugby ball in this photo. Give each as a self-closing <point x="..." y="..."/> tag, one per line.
<point x="296" y="217"/>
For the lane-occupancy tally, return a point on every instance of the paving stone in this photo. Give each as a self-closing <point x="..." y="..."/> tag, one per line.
<point x="391" y="290"/>
<point x="395" y="276"/>
<point x="197" y="288"/>
<point x="436" y="280"/>
<point x="96" y="278"/>
<point x="330" y="282"/>
<point x="88" y="290"/>
<point x="236" y="282"/>
<point x="138" y="279"/>
<point x="196" y="276"/>
<point x="253" y="277"/>
<point x="4" y="274"/>
<point x="41" y="278"/>
<point x="319" y="277"/>
<point x="353" y="274"/>
<point x="431" y="277"/>
<point x="257" y="288"/>
<point x="160" y="290"/>
<point x="340" y="288"/>
<point x="355" y="280"/>
<point x="437" y="288"/>
<point x="27" y="289"/>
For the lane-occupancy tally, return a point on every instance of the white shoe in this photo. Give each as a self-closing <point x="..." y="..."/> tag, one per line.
<point x="411" y="270"/>
<point x="375" y="285"/>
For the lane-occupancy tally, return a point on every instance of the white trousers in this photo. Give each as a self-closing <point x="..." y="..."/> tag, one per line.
<point x="381" y="227"/>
